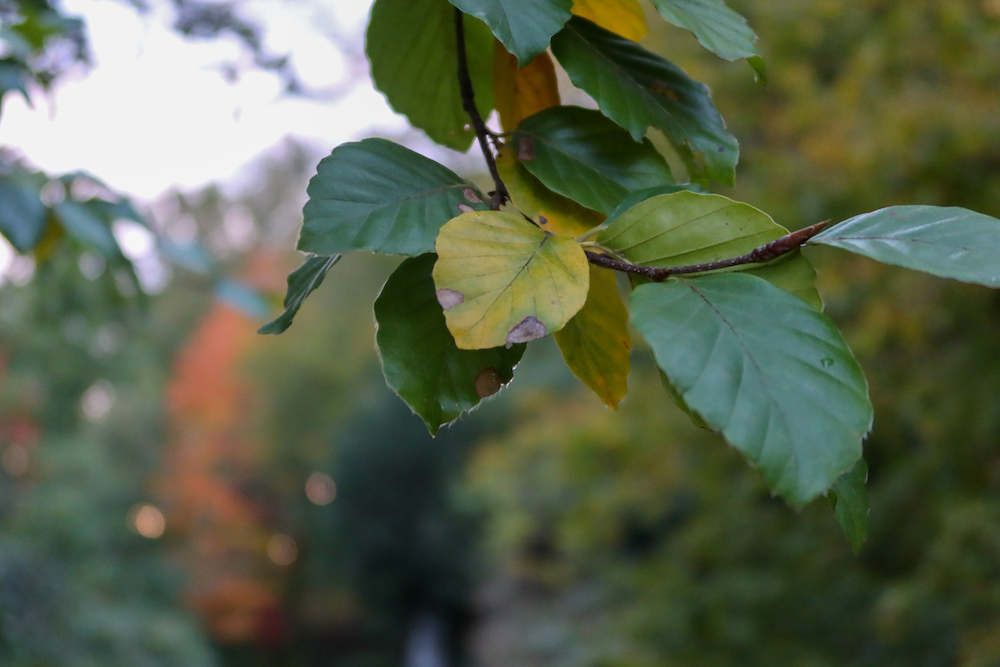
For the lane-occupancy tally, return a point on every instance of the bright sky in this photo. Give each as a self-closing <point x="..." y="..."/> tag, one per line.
<point x="155" y="111"/>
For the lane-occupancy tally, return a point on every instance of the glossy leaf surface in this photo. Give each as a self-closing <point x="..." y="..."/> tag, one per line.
<point x="581" y="154"/>
<point x="717" y="27"/>
<point x="622" y="17"/>
<point x="553" y="212"/>
<point x="525" y="27"/>
<point x="948" y="242"/>
<point x="412" y="49"/>
<point x="521" y="92"/>
<point x="850" y="504"/>
<point x="501" y="279"/>
<point x="765" y="369"/>
<point x="595" y="344"/>
<point x="301" y="283"/>
<point x="637" y="89"/>
<point x="377" y="195"/>
<point x="687" y="228"/>
<point x="419" y="357"/>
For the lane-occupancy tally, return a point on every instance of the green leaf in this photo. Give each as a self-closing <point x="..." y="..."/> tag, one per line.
<point x="636" y="89"/>
<point x="525" y="27"/>
<point x="850" y="504"/>
<point x="412" y="49"/>
<point x="717" y="27"/>
<point x="765" y="369"/>
<point x="13" y="78"/>
<point x="86" y="224"/>
<point x="501" y="279"/>
<point x="678" y="400"/>
<point x="595" y="344"/>
<point x="947" y="242"/>
<point x="582" y="155"/>
<point x="301" y="283"/>
<point x="22" y="213"/>
<point x="378" y="195"/>
<point x="687" y="228"/>
<point x="419" y="357"/>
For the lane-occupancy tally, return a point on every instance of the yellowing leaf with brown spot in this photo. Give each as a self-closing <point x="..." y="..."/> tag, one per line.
<point x="555" y="213"/>
<point x="622" y="17"/>
<point x="518" y="93"/>
<point x="502" y="280"/>
<point x="595" y="343"/>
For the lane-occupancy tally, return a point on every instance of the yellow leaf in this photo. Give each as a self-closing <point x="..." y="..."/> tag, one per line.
<point x="518" y="93"/>
<point x="623" y="17"/>
<point x="556" y="214"/>
<point x="503" y="280"/>
<point x="595" y="343"/>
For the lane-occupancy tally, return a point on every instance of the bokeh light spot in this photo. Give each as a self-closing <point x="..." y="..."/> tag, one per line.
<point x="148" y="521"/>
<point x="320" y="489"/>
<point x="282" y="550"/>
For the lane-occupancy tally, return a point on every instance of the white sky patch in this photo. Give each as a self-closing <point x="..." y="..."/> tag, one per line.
<point x="155" y="111"/>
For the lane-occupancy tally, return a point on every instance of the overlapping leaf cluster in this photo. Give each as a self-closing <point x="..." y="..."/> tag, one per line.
<point x="719" y="291"/>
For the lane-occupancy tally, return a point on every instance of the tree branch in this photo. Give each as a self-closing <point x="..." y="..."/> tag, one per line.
<point x="500" y="194"/>
<point x="765" y="253"/>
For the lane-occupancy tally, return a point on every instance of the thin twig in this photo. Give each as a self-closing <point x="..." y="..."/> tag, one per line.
<point x="765" y="253"/>
<point x="468" y="103"/>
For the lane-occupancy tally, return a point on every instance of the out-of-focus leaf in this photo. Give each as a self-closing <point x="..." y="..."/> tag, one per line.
<point x="689" y="228"/>
<point x="554" y="213"/>
<point x="944" y="241"/>
<point x="501" y="279"/>
<point x="595" y="344"/>
<point x="717" y="27"/>
<point x="301" y="283"/>
<point x="241" y="297"/>
<point x="22" y="213"/>
<point x="638" y="89"/>
<point x="850" y="504"/>
<point x="13" y="78"/>
<point x="622" y="17"/>
<point x="87" y="225"/>
<point x="581" y="154"/>
<point x="412" y="48"/>
<point x="522" y="92"/>
<point x="378" y="195"/>
<point x="525" y="27"/>
<point x="765" y="369"/>
<point x="419" y="357"/>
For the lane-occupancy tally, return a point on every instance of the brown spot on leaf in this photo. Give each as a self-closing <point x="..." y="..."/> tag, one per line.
<point x="471" y="196"/>
<point x="525" y="150"/>
<point x="526" y="330"/>
<point x="542" y="220"/>
<point x="465" y="208"/>
<point x="663" y="89"/>
<point x="488" y="382"/>
<point x="449" y="297"/>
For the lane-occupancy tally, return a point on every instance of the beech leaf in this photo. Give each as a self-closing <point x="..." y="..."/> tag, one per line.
<point x="765" y="369"/>
<point x="419" y="357"/>
<point x="948" y="242"/>
<point x="595" y="344"/>
<point x="686" y="228"/>
<point x="502" y="280"/>
<point x="377" y="195"/>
